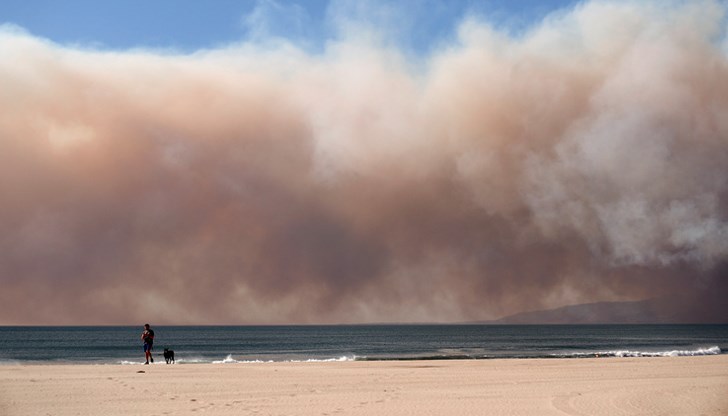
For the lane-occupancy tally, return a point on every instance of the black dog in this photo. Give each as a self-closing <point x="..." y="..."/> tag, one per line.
<point x="168" y="356"/>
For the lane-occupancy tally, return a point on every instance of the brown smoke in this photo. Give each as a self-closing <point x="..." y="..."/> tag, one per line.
<point x="585" y="161"/>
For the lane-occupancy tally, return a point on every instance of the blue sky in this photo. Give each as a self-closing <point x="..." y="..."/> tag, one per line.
<point x="188" y="25"/>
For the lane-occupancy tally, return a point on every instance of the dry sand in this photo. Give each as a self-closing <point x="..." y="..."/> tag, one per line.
<point x="608" y="386"/>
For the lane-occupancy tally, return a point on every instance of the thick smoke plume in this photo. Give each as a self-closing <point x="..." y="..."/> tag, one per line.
<point x="583" y="161"/>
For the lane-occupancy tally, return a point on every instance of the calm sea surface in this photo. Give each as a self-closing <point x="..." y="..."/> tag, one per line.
<point x="231" y="344"/>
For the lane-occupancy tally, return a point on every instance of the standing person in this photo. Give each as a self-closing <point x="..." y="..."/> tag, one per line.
<point x="148" y="338"/>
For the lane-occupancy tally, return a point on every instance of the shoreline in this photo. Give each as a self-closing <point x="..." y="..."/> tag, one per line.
<point x="229" y="361"/>
<point x="700" y="352"/>
<point x="594" y="386"/>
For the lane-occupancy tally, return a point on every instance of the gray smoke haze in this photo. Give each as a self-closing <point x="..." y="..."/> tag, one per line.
<point x="584" y="161"/>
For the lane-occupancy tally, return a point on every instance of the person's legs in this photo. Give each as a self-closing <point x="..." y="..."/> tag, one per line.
<point x="147" y="352"/>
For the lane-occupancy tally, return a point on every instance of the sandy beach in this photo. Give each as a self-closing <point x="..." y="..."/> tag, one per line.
<point x="610" y="386"/>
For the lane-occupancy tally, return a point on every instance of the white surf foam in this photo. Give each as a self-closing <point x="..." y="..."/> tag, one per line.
<point x="672" y="353"/>
<point x="125" y="362"/>
<point x="191" y="360"/>
<point x="715" y="350"/>
<point x="325" y="360"/>
<point x="228" y="360"/>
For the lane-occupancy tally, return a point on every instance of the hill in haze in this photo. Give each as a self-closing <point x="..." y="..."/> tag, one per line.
<point x="651" y="311"/>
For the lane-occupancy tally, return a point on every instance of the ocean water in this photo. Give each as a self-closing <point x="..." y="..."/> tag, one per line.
<point x="234" y="344"/>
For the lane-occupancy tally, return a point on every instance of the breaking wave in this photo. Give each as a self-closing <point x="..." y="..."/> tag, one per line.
<point x="672" y="353"/>
<point x="714" y="350"/>
<point x="230" y="360"/>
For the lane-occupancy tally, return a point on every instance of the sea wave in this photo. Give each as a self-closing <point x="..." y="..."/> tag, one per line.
<point x="439" y="357"/>
<point x="229" y="359"/>
<point x="192" y="360"/>
<point x="127" y="362"/>
<point x="326" y="360"/>
<point x="715" y="350"/>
